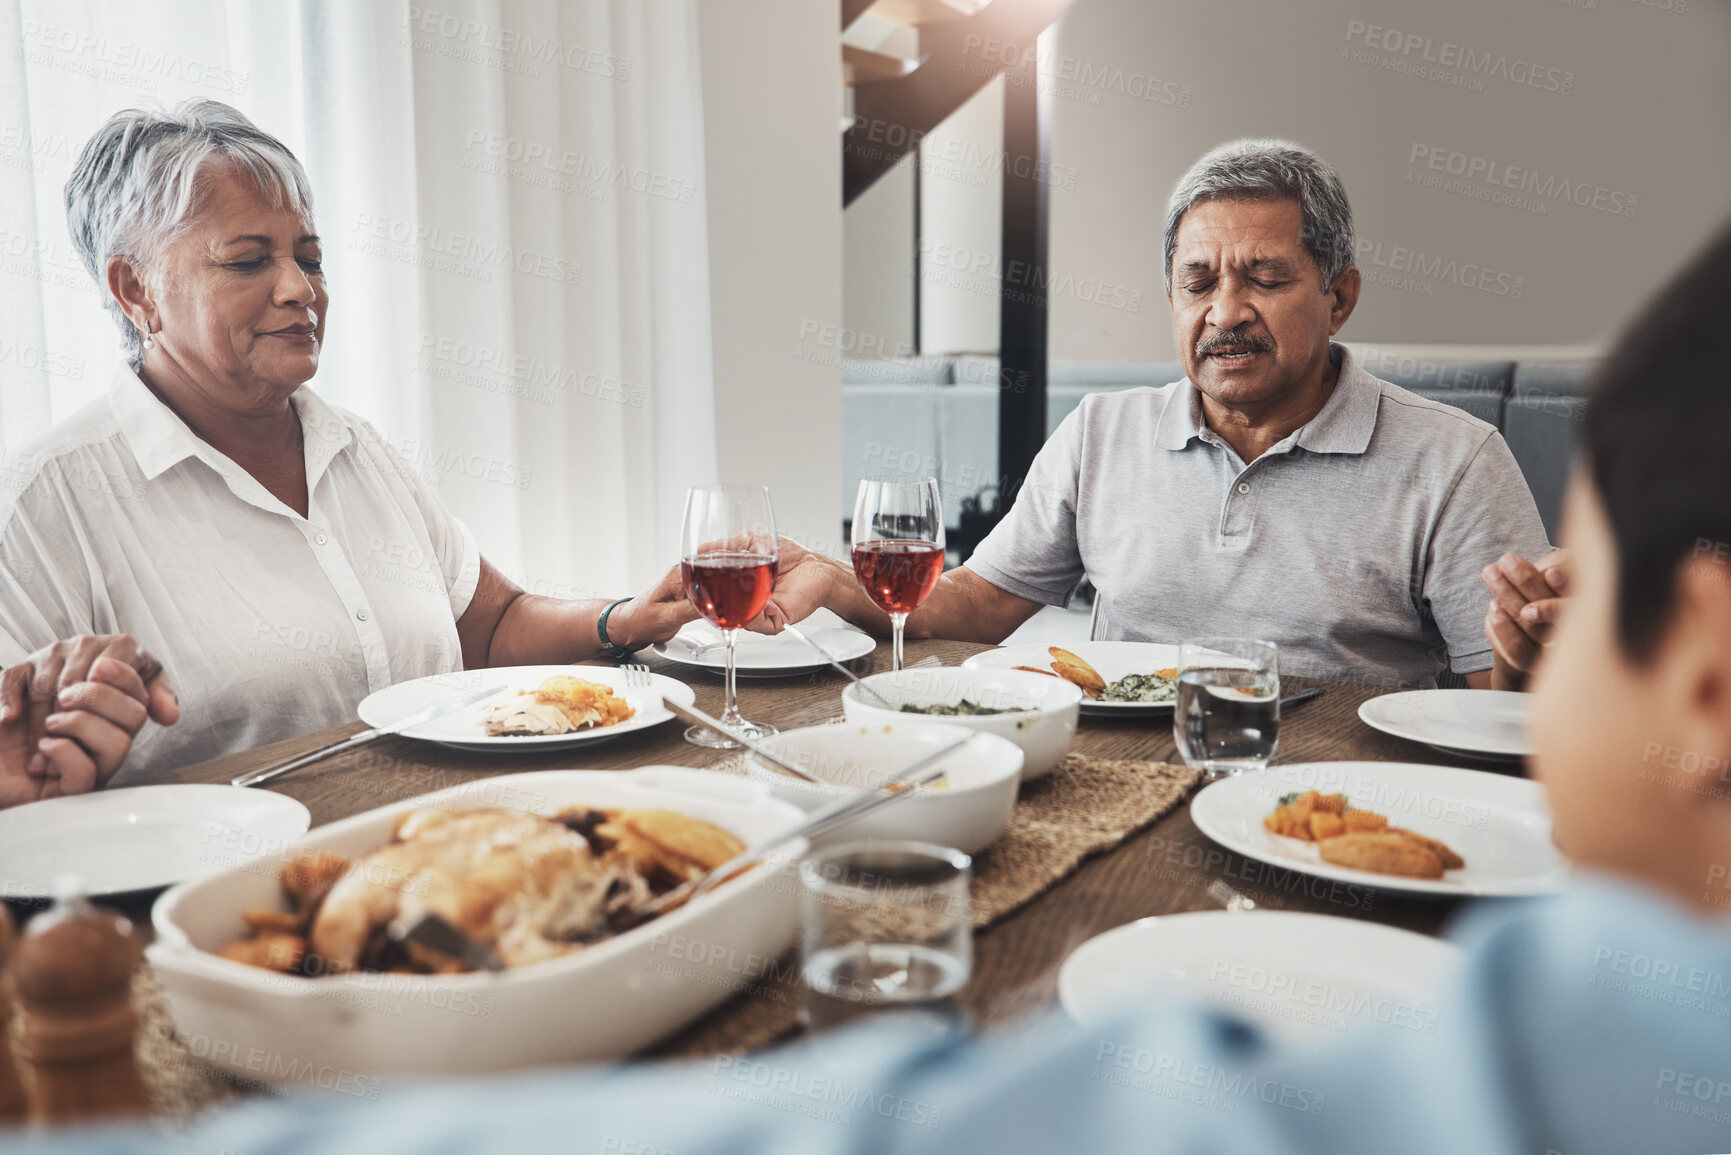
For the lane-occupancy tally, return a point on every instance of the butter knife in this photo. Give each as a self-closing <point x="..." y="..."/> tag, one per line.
<point x="438" y="710"/>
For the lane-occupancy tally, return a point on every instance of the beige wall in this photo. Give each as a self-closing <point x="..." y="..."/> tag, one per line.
<point x="961" y="195"/>
<point x="961" y="226"/>
<point x="878" y="267"/>
<point x="771" y="107"/>
<point x="1621" y="105"/>
<point x="1627" y="100"/>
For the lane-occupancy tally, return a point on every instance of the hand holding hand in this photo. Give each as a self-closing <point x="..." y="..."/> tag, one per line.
<point x="69" y="713"/>
<point x="804" y="582"/>
<point x="1526" y="602"/>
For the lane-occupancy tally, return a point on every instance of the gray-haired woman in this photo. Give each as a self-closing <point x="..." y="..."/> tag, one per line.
<point x="267" y="546"/>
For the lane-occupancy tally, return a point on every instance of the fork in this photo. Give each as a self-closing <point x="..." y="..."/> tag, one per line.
<point x="891" y="788"/>
<point x="639" y="677"/>
<point x="1229" y="898"/>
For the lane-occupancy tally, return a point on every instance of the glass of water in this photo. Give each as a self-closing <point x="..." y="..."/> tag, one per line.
<point x="1228" y="715"/>
<point x="888" y="926"/>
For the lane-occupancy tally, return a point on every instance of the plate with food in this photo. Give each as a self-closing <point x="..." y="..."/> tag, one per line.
<point x="293" y="967"/>
<point x="541" y="707"/>
<point x="1303" y="978"/>
<point x="140" y="837"/>
<point x="1481" y="723"/>
<point x="1398" y="826"/>
<point x="1115" y="677"/>
<point x="701" y="645"/>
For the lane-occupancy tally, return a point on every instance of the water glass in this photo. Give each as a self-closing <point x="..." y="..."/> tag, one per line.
<point x="888" y="926"/>
<point x="1228" y="716"/>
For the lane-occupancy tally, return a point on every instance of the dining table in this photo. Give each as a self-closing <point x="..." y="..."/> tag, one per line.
<point x="1166" y="868"/>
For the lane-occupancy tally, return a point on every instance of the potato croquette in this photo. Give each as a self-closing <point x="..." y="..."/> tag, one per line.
<point x="1383" y="853"/>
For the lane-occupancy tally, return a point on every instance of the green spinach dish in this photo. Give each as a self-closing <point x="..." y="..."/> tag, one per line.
<point x="959" y="708"/>
<point x="1155" y="687"/>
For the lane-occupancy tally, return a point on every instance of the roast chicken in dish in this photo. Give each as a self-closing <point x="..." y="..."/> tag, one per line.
<point x="525" y="886"/>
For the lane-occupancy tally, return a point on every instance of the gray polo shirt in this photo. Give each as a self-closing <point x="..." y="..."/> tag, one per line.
<point x="1355" y="543"/>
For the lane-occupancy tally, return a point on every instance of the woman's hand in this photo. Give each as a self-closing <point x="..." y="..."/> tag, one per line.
<point x="653" y="616"/>
<point x="69" y="713"/>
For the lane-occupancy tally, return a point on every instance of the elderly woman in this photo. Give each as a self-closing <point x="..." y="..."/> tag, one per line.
<point x="220" y="511"/>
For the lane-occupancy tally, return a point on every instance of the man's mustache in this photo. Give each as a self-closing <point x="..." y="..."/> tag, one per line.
<point x="1254" y="342"/>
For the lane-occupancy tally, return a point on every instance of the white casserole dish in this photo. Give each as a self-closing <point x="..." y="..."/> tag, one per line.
<point x="1043" y="725"/>
<point x="604" y="1002"/>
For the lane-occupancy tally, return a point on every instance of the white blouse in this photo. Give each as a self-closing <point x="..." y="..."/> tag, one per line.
<point x="121" y="520"/>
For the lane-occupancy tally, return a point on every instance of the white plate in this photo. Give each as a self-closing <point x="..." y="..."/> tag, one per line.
<point x="464" y="731"/>
<point x="1490" y="723"/>
<point x="141" y="837"/>
<point x="1302" y="977"/>
<point x="768" y="656"/>
<point x="1500" y="825"/>
<point x="1112" y="659"/>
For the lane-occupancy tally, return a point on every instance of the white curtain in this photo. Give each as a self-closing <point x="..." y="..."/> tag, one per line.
<point x="511" y="196"/>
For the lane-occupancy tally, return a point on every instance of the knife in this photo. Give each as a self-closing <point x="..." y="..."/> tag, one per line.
<point x="438" y="710"/>
<point x="790" y="628"/>
<point x="436" y="934"/>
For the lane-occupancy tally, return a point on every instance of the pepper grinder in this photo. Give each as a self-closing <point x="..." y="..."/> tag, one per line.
<point x="12" y="1102"/>
<point x="72" y="976"/>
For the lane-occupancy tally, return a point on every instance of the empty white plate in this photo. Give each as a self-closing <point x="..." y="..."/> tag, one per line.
<point x="140" y="837"/>
<point x="1499" y="824"/>
<point x="1490" y="723"/>
<point x="1113" y="660"/>
<point x="1302" y="977"/>
<point x="768" y="655"/>
<point x="464" y="730"/>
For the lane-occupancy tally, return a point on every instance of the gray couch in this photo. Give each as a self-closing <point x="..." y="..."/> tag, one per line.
<point x="938" y="416"/>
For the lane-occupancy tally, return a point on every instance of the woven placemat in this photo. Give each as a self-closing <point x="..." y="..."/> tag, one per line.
<point x="1082" y="808"/>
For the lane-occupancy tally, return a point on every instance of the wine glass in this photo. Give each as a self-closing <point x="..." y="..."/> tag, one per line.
<point x="727" y="558"/>
<point x="898" y="546"/>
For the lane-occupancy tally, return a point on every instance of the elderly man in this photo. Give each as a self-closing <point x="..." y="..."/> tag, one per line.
<point x="1278" y="491"/>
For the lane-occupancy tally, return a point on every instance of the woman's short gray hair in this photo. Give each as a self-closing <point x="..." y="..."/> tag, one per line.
<point x="135" y="182"/>
<point x="1271" y="170"/>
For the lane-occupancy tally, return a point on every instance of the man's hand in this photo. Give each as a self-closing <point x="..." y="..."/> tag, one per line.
<point x="804" y="582"/>
<point x="1527" y="599"/>
<point x="68" y="715"/>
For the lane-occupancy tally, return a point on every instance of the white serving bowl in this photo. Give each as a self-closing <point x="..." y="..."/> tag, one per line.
<point x="343" y="1032"/>
<point x="968" y="811"/>
<point x="1044" y="732"/>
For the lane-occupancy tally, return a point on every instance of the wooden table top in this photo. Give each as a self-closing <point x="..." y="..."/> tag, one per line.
<point x="1164" y="869"/>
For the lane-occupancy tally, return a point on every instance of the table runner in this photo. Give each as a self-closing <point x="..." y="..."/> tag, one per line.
<point x="1082" y="808"/>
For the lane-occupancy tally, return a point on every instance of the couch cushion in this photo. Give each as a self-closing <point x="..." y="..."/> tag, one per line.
<point x="1484" y="406"/>
<point x="1479" y="387"/>
<point x="1064" y="394"/>
<point x="1113" y="374"/>
<point x="932" y="370"/>
<point x="887" y="429"/>
<point x="1542" y="424"/>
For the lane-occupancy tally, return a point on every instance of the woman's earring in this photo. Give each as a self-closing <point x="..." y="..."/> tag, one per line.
<point x="149" y="341"/>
